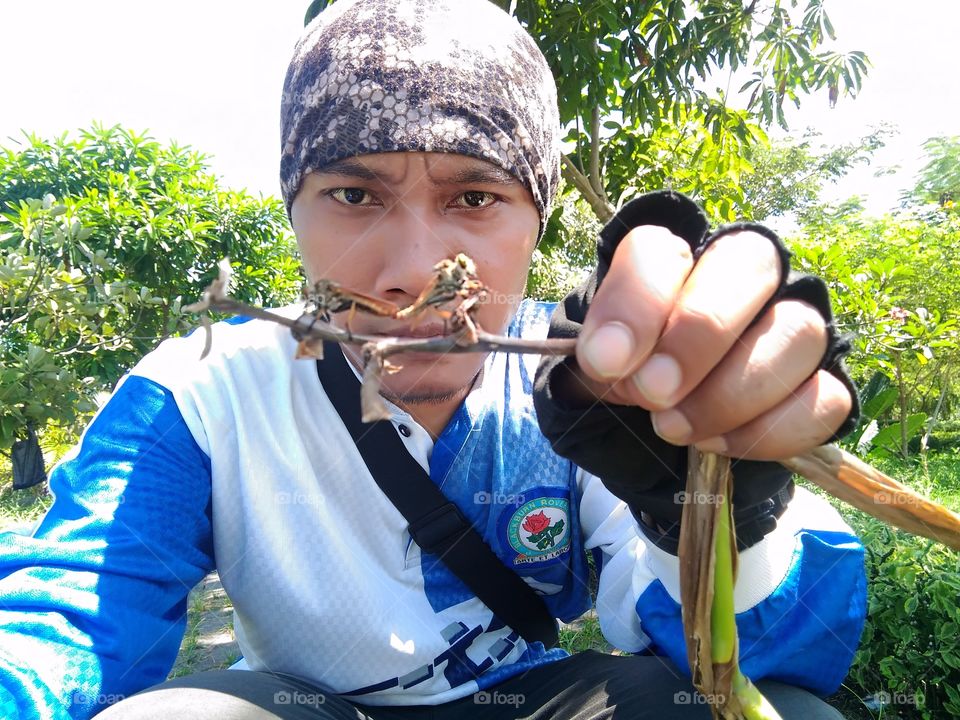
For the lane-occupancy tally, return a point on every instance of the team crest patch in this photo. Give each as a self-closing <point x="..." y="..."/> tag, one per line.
<point x="539" y="529"/>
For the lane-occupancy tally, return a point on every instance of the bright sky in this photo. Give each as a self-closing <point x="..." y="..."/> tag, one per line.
<point x="208" y="73"/>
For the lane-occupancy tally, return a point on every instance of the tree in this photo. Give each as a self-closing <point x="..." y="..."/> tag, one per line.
<point x="632" y="77"/>
<point x="895" y="284"/>
<point x="939" y="180"/>
<point x="102" y="238"/>
<point x="788" y="175"/>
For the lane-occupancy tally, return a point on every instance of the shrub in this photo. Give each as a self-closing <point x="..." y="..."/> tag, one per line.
<point x="103" y="237"/>
<point x="910" y="650"/>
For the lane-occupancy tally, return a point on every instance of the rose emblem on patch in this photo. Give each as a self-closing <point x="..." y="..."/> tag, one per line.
<point x="540" y="529"/>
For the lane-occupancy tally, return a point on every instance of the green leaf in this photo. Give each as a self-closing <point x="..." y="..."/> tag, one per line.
<point x="889" y="438"/>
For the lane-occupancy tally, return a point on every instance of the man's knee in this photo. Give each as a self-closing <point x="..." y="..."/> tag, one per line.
<point x="232" y="695"/>
<point x="653" y="687"/>
<point x="794" y="702"/>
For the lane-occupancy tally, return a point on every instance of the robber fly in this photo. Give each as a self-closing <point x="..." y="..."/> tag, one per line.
<point x="327" y="297"/>
<point x="454" y="279"/>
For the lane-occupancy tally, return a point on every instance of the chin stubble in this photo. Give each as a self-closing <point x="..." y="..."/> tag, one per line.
<point x="428" y="397"/>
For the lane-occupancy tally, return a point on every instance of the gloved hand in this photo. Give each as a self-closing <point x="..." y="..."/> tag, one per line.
<point x="758" y="358"/>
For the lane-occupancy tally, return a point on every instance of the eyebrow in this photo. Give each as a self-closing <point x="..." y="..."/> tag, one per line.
<point x="349" y="168"/>
<point x="481" y="174"/>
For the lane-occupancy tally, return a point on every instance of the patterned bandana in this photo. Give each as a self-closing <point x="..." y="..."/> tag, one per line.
<point x="457" y="76"/>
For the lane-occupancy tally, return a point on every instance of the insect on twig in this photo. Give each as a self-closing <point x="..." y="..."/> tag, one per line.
<point x="454" y="279"/>
<point x="327" y="297"/>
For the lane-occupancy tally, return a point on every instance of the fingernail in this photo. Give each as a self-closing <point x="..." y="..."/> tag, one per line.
<point x="672" y="426"/>
<point x="658" y="379"/>
<point x="715" y="445"/>
<point x="609" y="349"/>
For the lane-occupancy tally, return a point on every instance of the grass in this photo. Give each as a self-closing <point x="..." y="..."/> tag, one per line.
<point x="937" y="477"/>
<point x="208" y="642"/>
<point x="190" y="652"/>
<point x="19" y="508"/>
<point x="584" y="634"/>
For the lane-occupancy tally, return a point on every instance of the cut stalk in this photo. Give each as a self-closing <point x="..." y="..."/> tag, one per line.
<point x="708" y="573"/>
<point x="847" y="477"/>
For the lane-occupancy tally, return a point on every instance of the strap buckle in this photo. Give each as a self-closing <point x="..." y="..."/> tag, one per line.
<point x="432" y="531"/>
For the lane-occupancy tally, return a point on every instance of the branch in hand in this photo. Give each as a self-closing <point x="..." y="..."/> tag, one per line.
<point x="455" y="293"/>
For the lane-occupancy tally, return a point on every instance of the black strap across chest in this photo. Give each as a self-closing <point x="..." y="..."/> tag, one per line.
<point x="435" y="523"/>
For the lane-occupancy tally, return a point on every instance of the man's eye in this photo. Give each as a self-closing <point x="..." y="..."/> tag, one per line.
<point x="474" y="199"/>
<point x="351" y="196"/>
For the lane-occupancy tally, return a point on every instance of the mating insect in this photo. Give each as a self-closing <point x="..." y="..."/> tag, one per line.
<point x="454" y="279"/>
<point x="327" y="297"/>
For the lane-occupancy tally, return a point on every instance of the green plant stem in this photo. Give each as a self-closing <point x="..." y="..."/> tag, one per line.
<point x="723" y="627"/>
<point x="754" y="705"/>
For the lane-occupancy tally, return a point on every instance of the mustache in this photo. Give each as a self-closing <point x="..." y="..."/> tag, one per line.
<point x="420" y="331"/>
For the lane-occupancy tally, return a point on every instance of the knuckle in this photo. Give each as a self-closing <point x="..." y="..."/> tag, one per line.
<point x="709" y="320"/>
<point x="803" y="323"/>
<point x="837" y="402"/>
<point x="654" y="245"/>
<point x="659" y="236"/>
<point x="754" y="252"/>
<point x="652" y="242"/>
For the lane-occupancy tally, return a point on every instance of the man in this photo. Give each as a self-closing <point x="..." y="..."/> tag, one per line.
<point x="413" y="131"/>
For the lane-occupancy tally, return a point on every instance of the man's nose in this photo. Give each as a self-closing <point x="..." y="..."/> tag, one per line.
<point x="412" y="247"/>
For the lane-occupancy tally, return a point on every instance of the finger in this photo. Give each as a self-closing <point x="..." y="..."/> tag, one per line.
<point x="726" y="289"/>
<point x="803" y="421"/>
<point x="773" y="358"/>
<point x="633" y="302"/>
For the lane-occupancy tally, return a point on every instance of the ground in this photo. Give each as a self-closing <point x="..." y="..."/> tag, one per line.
<point x="209" y="642"/>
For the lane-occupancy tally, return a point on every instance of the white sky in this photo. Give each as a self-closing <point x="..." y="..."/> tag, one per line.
<point x="208" y="73"/>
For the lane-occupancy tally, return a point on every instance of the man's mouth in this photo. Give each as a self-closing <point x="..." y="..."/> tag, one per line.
<point x="422" y="331"/>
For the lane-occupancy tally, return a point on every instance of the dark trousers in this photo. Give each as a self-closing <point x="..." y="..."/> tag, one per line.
<point x="587" y="686"/>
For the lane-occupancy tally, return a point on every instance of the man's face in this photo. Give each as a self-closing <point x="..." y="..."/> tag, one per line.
<point x="379" y="223"/>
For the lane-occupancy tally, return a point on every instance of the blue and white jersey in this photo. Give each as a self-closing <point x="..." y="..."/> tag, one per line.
<point x="239" y="463"/>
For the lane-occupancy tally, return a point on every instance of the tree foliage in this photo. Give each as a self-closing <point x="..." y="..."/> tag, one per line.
<point x="895" y="287"/>
<point x="634" y="67"/>
<point x="939" y="180"/>
<point x="788" y="176"/>
<point x="634" y="80"/>
<point x="102" y="238"/>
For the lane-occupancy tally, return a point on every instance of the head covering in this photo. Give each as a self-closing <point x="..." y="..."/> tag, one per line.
<point x="458" y="76"/>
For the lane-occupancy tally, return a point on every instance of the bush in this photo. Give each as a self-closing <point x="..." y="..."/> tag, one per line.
<point x="909" y="654"/>
<point x="937" y="440"/>
<point x="910" y="650"/>
<point x="103" y="237"/>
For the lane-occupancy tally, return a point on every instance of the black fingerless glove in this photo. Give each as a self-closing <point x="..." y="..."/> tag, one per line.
<point x="617" y="443"/>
